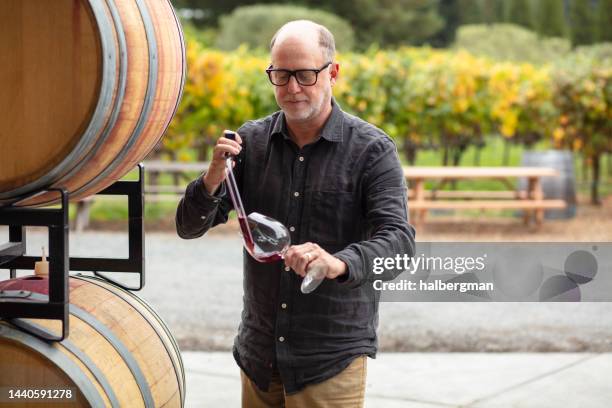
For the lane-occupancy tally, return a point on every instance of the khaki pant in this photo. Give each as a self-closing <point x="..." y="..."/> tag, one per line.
<point x="345" y="390"/>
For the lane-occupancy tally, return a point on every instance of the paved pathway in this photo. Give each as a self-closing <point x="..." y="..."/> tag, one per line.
<point x="430" y="380"/>
<point x="196" y="286"/>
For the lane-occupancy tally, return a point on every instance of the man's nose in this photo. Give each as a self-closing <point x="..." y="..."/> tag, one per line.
<point x="293" y="86"/>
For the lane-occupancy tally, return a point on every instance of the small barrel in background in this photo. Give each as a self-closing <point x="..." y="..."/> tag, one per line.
<point x="562" y="187"/>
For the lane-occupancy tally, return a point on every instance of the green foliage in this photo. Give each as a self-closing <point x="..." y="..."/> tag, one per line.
<point x="423" y="98"/>
<point x="388" y="23"/>
<point x="404" y="22"/>
<point x="507" y="42"/>
<point x="583" y="95"/>
<point x="584" y="99"/>
<point x="493" y="11"/>
<point x="105" y="210"/>
<point x="443" y="101"/>
<point x="461" y="12"/>
<point x="385" y="22"/>
<point x="518" y="12"/>
<point x="550" y="18"/>
<point x="222" y="91"/>
<point x="582" y="22"/>
<point x="391" y="23"/>
<point x="478" y="11"/>
<point x="255" y="25"/>
<point x="214" y="9"/>
<point x="604" y="24"/>
<point x="600" y="53"/>
<point x="205" y="37"/>
<point x="449" y="11"/>
<point x="471" y="11"/>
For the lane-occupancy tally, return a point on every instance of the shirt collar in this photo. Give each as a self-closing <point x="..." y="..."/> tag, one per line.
<point x="332" y="130"/>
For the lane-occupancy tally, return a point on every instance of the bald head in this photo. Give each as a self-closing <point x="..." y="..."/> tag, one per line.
<point x="307" y="31"/>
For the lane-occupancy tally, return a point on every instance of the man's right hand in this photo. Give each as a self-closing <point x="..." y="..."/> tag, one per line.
<point x="216" y="171"/>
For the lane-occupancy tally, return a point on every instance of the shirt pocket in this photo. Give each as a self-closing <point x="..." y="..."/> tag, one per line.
<point x="334" y="219"/>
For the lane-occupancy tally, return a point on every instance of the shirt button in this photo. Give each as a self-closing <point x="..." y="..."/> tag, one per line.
<point x="287" y="268"/>
<point x="301" y="158"/>
<point x="281" y="339"/>
<point x="292" y="229"/>
<point x="296" y="194"/>
<point x="203" y="217"/>
<point x="284" y="305"/>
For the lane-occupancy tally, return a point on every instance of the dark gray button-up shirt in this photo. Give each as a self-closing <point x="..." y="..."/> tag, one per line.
<point x="352" y="202"/>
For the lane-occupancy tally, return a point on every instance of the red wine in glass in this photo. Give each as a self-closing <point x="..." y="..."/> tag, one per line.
<point x="265" y="238"/>
<point x="269" y="238"/>
<point x="264" y="247"/>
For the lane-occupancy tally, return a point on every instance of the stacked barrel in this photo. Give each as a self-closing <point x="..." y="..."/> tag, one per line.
<point x="119" y="352"/>
<point x="88" y="89"/>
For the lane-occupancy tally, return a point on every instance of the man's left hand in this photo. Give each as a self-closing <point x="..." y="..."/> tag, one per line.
<point x="299" y="257"/>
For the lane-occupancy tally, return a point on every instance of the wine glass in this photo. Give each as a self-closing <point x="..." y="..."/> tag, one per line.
<point x="265" y="238"/>
<point x="270" y="241"/>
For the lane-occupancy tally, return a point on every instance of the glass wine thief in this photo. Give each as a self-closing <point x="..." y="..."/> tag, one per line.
<point x="265" y="238"/>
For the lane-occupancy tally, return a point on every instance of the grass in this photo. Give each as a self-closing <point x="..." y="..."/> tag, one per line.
<point x="116" y="209"/>
<point x="491" y="154"/>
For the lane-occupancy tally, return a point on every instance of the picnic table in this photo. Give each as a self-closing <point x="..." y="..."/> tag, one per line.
<point x="153" y="189"/>
<point x="531" y="200"/>
<point x="184" y="172"/>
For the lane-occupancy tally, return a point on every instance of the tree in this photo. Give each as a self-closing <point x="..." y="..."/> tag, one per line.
<point x="604" y="14"/>
<point x="406" y="22"/>
<point x="449" y="11"/>
<point x="583" y="96"/>
<point x="550" y="18"/>
<point x="519" y="12"/>
<point x="387" y="22"/>
<point x="493" y="11"/>
<point x="508" y="42"/>
<point x="214" y="9"/>
<point x="470" y="11"/>
<point x="255" y="25"/>
<point x="582" y="22"/>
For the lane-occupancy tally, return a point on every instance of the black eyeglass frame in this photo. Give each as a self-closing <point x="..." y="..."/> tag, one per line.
<point x="294" y="74"/>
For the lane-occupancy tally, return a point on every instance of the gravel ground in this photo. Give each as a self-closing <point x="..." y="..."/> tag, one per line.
<point x="196" y="286"/>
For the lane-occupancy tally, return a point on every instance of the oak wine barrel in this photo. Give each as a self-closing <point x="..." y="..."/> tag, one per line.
<point x="88" y="89"/>
<point x="562" y="187"/>
<point x="119" y="353"/>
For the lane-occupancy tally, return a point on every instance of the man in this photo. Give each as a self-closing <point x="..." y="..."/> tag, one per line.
<point x="336" y="182"/>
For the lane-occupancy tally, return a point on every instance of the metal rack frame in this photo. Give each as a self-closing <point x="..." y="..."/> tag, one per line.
<point x="18" y="305"/>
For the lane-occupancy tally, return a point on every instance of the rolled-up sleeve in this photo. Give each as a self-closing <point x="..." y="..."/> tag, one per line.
<point x="386" y="216"/>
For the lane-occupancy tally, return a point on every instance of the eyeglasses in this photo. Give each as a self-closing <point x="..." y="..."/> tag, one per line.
<point x="304" y="77"/>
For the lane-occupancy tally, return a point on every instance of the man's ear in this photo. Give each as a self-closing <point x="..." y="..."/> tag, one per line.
<point x="335" y="70"/>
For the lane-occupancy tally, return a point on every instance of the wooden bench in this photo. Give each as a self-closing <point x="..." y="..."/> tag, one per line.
<point x="184" y="173"/>
<point x="531" y="201"/>
<point x="154" y="192"/>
